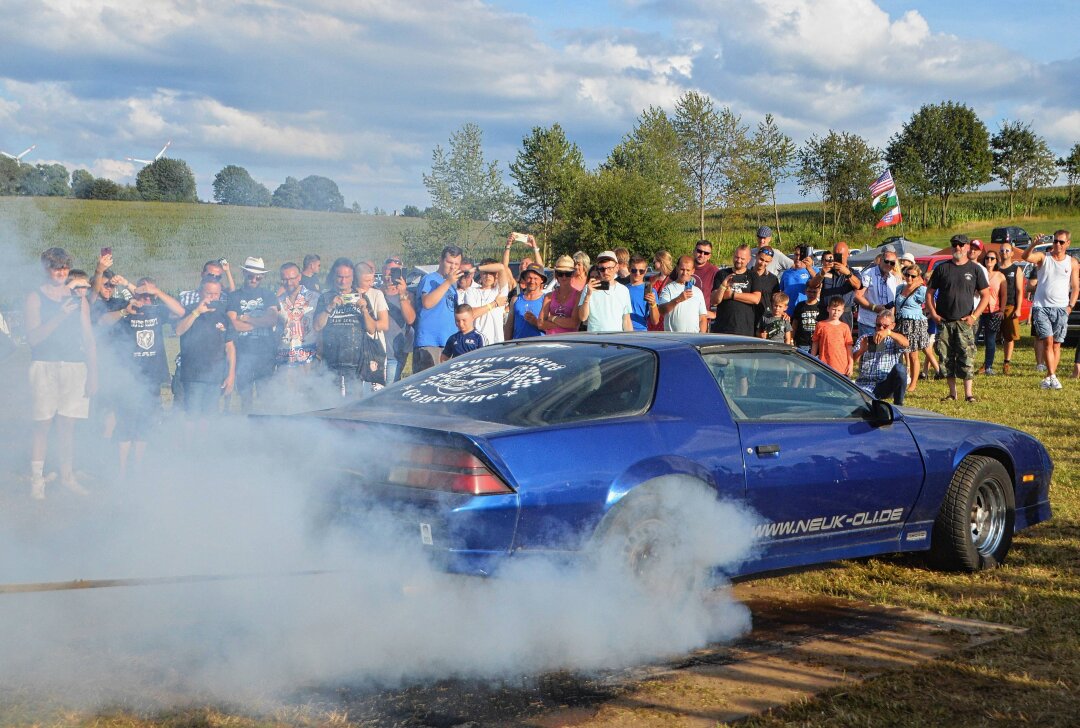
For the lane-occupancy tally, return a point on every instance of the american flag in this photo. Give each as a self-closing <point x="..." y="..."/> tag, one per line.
<point x="882" y="184"/>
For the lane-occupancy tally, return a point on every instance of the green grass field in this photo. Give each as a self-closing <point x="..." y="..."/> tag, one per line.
<point x="171" y="241"/>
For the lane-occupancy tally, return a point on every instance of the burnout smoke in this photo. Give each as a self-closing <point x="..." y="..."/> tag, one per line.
<point x="249" y="500"/>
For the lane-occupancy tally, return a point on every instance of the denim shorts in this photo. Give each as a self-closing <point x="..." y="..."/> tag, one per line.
<point x="1047" y="322"/>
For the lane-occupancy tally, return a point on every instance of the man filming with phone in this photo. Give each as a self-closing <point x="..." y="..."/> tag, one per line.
<point x="208" y="352"/>
<point x="682" y="304"/>
<point x="402" y="316"/>
<point x="605" y="303"/>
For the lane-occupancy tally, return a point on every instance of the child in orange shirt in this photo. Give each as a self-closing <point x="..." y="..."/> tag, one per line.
<point x="832" y="339"/>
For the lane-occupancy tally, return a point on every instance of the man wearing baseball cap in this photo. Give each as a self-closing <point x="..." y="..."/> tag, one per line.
<point x="779" y="262"/>
<point x="605" y="304"/>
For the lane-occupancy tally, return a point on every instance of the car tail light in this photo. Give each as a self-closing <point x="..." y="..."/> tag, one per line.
<point x="444" y="468"/>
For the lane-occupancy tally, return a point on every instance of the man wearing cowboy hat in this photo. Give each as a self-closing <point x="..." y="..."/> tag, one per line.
<point x="253" y="312"/>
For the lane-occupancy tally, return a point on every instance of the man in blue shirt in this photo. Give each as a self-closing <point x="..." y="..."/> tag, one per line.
<point x="437" y="299"/>
<point x="635" y="283"/>
<point x="793" y="281"/>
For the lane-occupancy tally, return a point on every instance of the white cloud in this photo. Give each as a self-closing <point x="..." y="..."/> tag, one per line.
<point x="230" y="127"/>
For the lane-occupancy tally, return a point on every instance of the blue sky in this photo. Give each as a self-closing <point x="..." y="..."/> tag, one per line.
<point x="362" y="90"/>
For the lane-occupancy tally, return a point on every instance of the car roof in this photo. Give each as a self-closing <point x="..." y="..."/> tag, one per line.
<point x="655" y="340"/>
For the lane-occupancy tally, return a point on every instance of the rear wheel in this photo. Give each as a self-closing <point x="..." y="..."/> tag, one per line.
<point x="644" y="540"/>
<point x="974" y="528"/>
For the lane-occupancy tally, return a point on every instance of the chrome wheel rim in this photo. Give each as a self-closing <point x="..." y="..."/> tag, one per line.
<point x="988" y="516"/>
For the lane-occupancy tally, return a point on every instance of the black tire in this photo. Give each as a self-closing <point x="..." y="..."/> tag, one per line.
<point x="642" y="538"/>
<point x="974" y="528"/>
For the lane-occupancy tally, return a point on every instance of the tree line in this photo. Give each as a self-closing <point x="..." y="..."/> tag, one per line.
<point x="704" y="161"/>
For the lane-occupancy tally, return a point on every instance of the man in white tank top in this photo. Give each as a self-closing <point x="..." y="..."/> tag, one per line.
<point x="1055" y="297"/>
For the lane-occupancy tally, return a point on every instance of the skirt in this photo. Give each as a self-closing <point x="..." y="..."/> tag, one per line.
<point x="916" y="332"/>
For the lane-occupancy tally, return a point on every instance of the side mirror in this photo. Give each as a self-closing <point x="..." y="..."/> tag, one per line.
<point x="881" y="413"/>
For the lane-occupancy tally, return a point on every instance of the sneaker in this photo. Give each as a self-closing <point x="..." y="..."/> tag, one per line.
<point x="74" y="486"/>
<point x="1040" y="367"/>
<point x="1046" y="383"/>
<point x="989" y="371"/>
<point x="37" y="488"/>
<point x="1054" y="383"/>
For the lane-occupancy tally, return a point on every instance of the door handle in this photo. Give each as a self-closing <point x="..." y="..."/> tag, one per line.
<point x="767" y="451"/>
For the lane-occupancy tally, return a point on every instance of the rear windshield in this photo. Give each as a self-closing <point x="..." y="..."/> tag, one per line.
<point x="539" y="383"/>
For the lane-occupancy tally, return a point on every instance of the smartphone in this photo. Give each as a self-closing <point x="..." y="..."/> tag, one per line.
<point x="222" y="262"/>
<point x="689" y="285"/>
<point x="396" y="276"/>
<point x="106" y="251"/>
<point x="521" y="238"/>
<point x="348" y="298"/>
<point x="604" y="285"/>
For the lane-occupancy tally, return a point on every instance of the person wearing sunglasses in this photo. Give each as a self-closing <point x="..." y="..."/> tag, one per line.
<point x="881" y="369"/>
<point x="912" y="323"/>
<point x="990" y="321"/>
<point x="640" y="307"/>
<point x="558" y="314"/>
<point x="879" y="285"/>
<point x="1010" y="313"/>
<point x="950" y="301"/>
<point x="1055" y="297"/>
<point x="252" y="309"/>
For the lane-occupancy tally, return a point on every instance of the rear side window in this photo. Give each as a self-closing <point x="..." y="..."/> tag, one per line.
<point x="541" y="383"/>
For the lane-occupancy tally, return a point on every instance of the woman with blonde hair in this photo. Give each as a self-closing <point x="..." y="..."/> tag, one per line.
<point x="582" y="264"/>
<point x="558" y="313"/>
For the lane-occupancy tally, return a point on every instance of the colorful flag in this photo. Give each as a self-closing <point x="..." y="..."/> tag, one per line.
<point x="892" y="217"/>
<point x="883" y="184"/>
<point x="885" y="201"/>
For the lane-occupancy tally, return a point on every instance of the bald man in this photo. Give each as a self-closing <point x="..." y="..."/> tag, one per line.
<point x="836" y="279"/>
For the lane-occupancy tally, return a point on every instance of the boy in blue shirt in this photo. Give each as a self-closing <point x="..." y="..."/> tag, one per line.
<point x="466" y="339"/>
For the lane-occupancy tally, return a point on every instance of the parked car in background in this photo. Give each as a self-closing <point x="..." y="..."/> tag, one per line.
<point x="1018" y="236"/>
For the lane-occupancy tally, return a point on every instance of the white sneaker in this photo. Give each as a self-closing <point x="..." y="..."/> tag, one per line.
<point x="1046" y="383"/>
<point x="37" y="488"/>
<point x="1054" y="383"/>
<point x="74" y="486"/>
<point x="1040" y="367"/>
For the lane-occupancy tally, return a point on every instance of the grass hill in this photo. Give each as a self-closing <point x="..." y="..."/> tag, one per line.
<point x="172" y="241"/>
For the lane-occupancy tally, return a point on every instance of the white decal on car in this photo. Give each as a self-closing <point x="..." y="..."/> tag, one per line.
<point x="821" y="524"/>
<point x="479" y="380"/>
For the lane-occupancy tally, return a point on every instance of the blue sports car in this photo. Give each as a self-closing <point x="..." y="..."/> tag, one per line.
<point x="558" y="444"/>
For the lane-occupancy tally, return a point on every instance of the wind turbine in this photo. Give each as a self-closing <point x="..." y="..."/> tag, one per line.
<point x="157" y="156"/>
<point x="18" y="157"/>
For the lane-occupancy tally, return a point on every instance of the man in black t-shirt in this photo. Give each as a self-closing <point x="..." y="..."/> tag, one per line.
<point x="145" y="367"/>
<point x="765" y="282"/>
<point x="736" y="296"/>
<point x="837" y="279"/>
<point x="252" y="310"/>
<point x="1010" y="319"/>
<point x="207" y="351"/>
<point x="309" y="274"/>
<point x="949" y="300"/>
<point x="343" y="316"/>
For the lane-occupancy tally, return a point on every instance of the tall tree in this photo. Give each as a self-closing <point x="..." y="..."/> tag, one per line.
<point x="697" y="125"/>
<point x="1013" y="147"/>
<point x="464" y="188"/>
<point x="1041" y="171"/>
<point x="1070" y="166"/>
<point x="321" y="194"/>
<point x="774" y="153"/>
<point x="652" y="150"/>
<point x="166" y="180"/>
<point x="233" y="185"/>
<point x="741" y="180"/>
<point x="44" y="180"/>
<point x="617" y="207"/>
<point x="81" y="181"/>
<point x="288" y="194"/>
<point x="948" y="146"/>
<point x="546" y="171"/>
<point x="841" y="167"/>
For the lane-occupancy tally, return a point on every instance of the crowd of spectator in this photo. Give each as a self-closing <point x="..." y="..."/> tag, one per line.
<point x="100" y="337"/>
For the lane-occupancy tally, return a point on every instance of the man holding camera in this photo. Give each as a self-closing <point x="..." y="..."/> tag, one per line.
<point x="344" y="317"/>
<point x="878" y="291"/>
<point x="605" y="303"/>
<point x="399" y="305"/>
<point x="837" y="279"/>
<point x="208" y="352"/>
